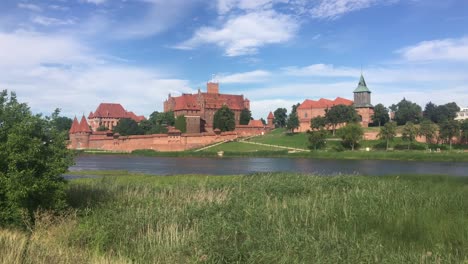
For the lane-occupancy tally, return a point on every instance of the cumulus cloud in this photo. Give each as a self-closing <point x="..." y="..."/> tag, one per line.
<point x="96" y="2"/>
<point x="50" y="21"/>
<point x="244" y="34"/>
<point x="444" y="49"/>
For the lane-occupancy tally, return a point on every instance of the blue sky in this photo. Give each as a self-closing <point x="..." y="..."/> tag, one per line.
<point x="74" y="54"/>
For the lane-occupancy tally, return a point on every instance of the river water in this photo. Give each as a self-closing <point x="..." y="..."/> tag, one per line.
<point x="229" y="166"/>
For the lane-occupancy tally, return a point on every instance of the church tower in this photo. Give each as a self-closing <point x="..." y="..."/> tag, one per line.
<point x="362" y="102"/>
<point x="362" y="94"/>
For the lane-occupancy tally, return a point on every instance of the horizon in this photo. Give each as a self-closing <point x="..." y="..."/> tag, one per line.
<point x="76" y="54"/>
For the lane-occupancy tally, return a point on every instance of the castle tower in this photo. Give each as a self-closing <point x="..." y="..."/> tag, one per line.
<point x="362" y="102"/>
<point x="212" y="88"/>
<point x="270" y="119"/>
<point x="79" y="134"/>
<point x="362" y="94"/>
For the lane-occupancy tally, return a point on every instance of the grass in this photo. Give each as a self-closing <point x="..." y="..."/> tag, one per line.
<point x="260" y="218"/>
<point x="240" y="147"/>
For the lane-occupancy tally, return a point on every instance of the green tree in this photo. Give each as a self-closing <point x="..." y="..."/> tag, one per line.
<point x="162" y="118"/>
<point x="263" y="121"/>
<point x="224" y="119"/>
<point x="317" y="139"/>
<point x="380" y="115"/>
<point x="428" y="130"/>
<point x="293" y="120"/>
<point x="430" y="112"/>
<point x="127" y="127"/>
<point x="339" y="114"/>
<point x="441" y="113"/>
<point x="181" y="123"/>
<point x="102" y="128"/>
<point x="280" y="117"/>
<point x="406" y="111"/>
<point x="449" y="130"/>
<point x="388" y="132"/>
<point x="33" y="157"/>
<point x="351" y="134"/>
<point x="245" y="117"/>
<point x="61" y="123"/>
<point x="409" y="133"/>
<point x="318" y="122"/>
<point x="464" y="131"/>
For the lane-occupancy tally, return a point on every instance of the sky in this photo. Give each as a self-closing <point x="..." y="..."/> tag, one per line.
<point x="75" y="54"/>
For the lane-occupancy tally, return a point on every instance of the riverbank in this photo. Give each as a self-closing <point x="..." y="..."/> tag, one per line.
<point x="261" y="218"/>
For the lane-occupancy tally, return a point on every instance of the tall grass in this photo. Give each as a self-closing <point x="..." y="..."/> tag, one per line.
<point x="260" y="218"/>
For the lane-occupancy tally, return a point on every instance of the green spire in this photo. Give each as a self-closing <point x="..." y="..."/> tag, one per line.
<point x="362" y="86"/>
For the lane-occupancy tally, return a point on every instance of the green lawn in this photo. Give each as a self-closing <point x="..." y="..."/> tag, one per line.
<point x="240" y="147"/>
<point x="260" y="218"/>
<point x="282" y="138"/>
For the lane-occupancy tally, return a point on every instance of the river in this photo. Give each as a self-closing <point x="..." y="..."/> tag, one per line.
<point x="229" y="166"/>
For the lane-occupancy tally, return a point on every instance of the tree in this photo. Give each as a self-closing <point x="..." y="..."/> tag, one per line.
<point x="318" y="122"/>
<point x="406" y="111"/>
<point x="380" y="115"/>
<point x="33" y="157"/>
<point x="317" y="139"/>
<point x="181" y="123"/>
<point x="263" y="121"/>
<point x="293" y="120"/>
<point x="449" y="130"/>
<point x="127" y="127"/>
<point x="428" y="130"/>
<point x="464" y="131"/>
<point x="102" y="128"/>
<point x="339" y="114"/>
<point x="388" y="132"/>
<point x="61" y="123"/>
<point x="409" y="133"/>
<point x="441" y="113"/>
<point x="224" y="119"/>
<point x="351" y="134"/>
<point x="280" y="117"/>
<point x="162" y="118"/>
<point x="430" y="112"/>
<point x="245" y="117"/>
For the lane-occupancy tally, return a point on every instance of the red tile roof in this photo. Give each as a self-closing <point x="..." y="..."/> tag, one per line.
<point x="270" y="116"/>
<point x="111" y="110"/>
<point x="256" y="123"/>
<point x="84" y="127"/>
<point x="324" y="103"/>
<point x="75" y="126"/>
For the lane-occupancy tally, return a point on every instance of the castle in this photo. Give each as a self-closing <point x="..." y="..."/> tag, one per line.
<point x="199" y="108"/>
<point x="362" y="102"/>
<point x="108" y="115"/>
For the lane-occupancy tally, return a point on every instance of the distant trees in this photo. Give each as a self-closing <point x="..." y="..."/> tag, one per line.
<point x="388" y="132"/>
<point x="33" y="157"/>
<point x="406" y="111"/>
<point x="318" y="122"/>
<point x="181" y="123"/>
<point x="351" y="134"/>
<point x="317" y="139"/>
<point x="428" y="130"/>
<point x="464" y="131"/>
<point x="449" y="130"/>
<point x="293" y="120"/>
<point x="127" y="127"/>
<point x="158" y="122"/>
<point x="339" y="114"/>
<point x="409" y="133"/>
<point x="280" y="117"/>
<point x="61" y="123"/>
<point x="263" y="121"/>
<point x="380" y="115"/>
<point x="224" y="119"/>
<point x="245" y="117"/>
<point x="441" y="113"/>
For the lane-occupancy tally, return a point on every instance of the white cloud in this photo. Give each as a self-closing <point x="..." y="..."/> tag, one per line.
<point x="322" y="70"/>
<point x="244" y="34"/>
<point x="61" y="72"/>
<point x="50" y="21"/>
<point x="246" y="77"/>
<point x="31" y="7"/>
<point x="332" y="9"/>
<point x="445" y="49"/>
<point x="225" y="6"/>
<point x="96" y="2"/>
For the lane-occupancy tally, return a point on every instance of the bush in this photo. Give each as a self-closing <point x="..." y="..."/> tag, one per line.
<point x="33" y="158"/>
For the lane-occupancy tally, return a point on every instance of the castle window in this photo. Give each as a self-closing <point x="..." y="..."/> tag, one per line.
<point x="305" y="115"/>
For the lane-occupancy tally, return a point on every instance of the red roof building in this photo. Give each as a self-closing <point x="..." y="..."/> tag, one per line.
<point x="109" y="114"/>
<point x="205" y="105"/>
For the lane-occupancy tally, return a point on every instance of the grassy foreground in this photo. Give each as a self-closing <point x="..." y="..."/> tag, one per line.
<point x="261" y="218"/>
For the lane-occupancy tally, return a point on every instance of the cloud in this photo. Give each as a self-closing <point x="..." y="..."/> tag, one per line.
<point x="245" y="77"/>
<point x="31" y="7"/>
<point x="244" y="34"/>
<point x="61" y="72"/>
<point x="444" y="49"/>
<point x="225" y="6"/>
<point x="321" y="70"/>
<point x="96" y="2"/>
<point x="50" y="21"/>
<point x="332" y="9"/>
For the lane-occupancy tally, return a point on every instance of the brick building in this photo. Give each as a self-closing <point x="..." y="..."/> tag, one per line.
<point x="199" y="108"/>
<point x="362" y="102"/>
<point x="109" y="114"/>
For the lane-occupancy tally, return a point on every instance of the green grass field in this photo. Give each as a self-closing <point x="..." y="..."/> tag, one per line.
<point x="261" y="218"/>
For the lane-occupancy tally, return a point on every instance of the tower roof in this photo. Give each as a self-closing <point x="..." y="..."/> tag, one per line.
<point x="270" y="115"/>
<point x="362" y="86"/>
<point x="75" y="126"/>
<point x="84" y="127"/>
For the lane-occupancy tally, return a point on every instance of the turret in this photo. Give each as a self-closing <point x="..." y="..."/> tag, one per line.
<point x="362" y="94"/>
<point x="270" y="119"/>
